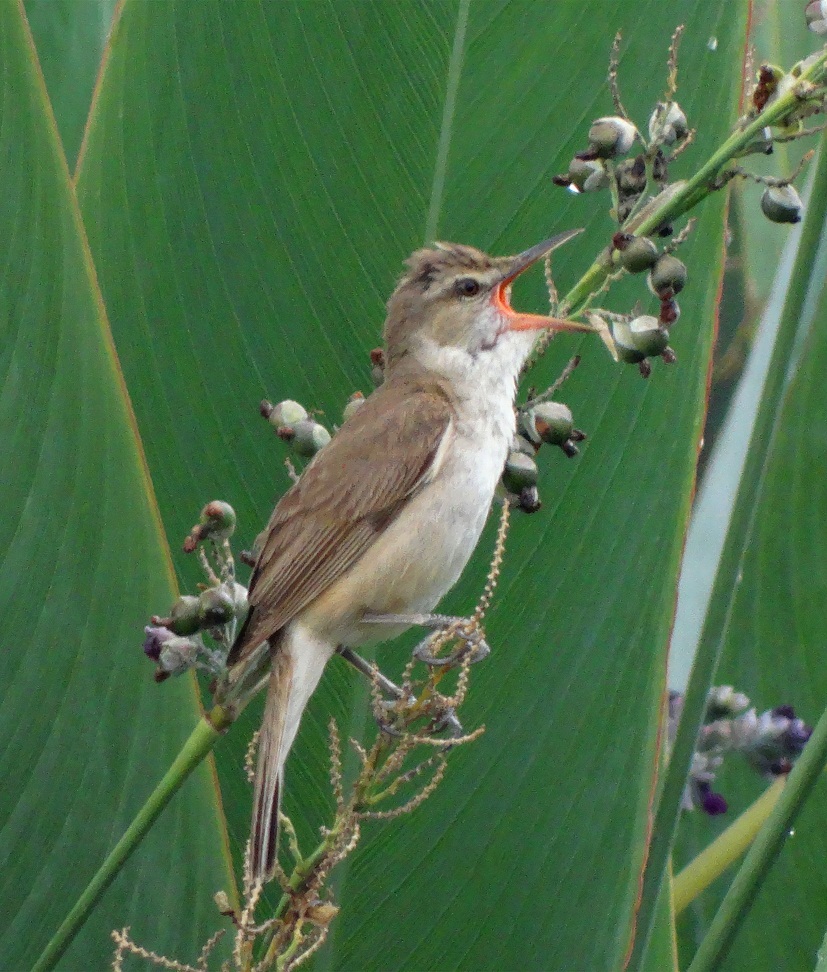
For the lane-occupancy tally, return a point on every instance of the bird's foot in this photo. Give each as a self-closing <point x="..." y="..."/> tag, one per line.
<point x="470" y="635"/>
<point x="371" y="672"/>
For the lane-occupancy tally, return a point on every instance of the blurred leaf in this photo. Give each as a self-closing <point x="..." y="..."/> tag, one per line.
<point x="774" y="639"/>
<point x="85" y="731"/>
<point x="279" y="162"/>
<point x="70" y="37"/>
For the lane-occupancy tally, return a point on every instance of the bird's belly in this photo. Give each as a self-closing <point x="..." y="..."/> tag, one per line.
<point x="419" y="557"/>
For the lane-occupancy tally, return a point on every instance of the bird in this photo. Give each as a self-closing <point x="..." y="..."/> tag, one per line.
<point x="385" y="517"/>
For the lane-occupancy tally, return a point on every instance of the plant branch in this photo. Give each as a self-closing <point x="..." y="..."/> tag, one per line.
<point x="763" y="852"/>
<point x="204" y="736"/>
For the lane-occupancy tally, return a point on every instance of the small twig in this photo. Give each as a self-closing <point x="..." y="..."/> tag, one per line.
<point x="552" y="390"/>
<point x="496" y="565"/>
<point x="291" y="470"/>
<point x="681" y="237"/>
<point x="614" y="64"/>
<point x="672" y="63"/>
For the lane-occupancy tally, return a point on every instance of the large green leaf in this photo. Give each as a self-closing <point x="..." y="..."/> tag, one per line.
<point x="254" y="176"/>
<point x="70" y="37"/>
<point x="84" y="729"/>
<point x="774" y="639"/>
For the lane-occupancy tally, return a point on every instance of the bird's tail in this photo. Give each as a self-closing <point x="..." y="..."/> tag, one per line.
<point x="297" y="666"/>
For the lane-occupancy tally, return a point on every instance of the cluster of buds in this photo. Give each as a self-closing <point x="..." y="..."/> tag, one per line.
<point x="539" y="422"/>
<point x="293" y="424"/>
<point x="176" y="642"/>
<point x="769" y="742"/>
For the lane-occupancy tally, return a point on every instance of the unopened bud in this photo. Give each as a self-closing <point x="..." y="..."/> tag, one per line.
<point x="554" y="422"/>
<point x="287" y="412"/>
<point x="610" y="137"/>
<point x="156" y="638"/>
<point x="218" y="520"/>
<point x="668" y="123"/>
<point x="639" y="254"/>
<point x="520" y="471"/>
<point x="722" y="701"/>
<point x="308" y="438"/>
<point x="667" y="277"/>
<point x="222" y="902"/>
<point x="184" y="616"/>
<point x="177" y="656"/>
<point x="640" y="338"/>
<point x="781" y="204"/>
<point x="354" y="403"/>
<point x="216" y="606"/>
<point x="584" y="175"/>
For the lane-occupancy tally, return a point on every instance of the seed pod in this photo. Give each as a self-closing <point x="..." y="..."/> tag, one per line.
<point x="781" y="204"/>
<point x="185" y="615"/>
<point x="639" y="254"/>
<point x="216" y="606"/>
<point x="668" y="123"/>
<point x="354" y="403"/>
<point x="554" y="422"/>
<point x="308" y="438"/>
<point x="639" y="339"/>
<point x="218" y="520"/>
<point x="610" y="137"/>
<point x="529" y="501"/>
<point x="631" y="176"/>
<point x="667" y="277"/>
<point x="587" y="175"/>
<point x="287" y="412"/>
<point x="520" y="471"/>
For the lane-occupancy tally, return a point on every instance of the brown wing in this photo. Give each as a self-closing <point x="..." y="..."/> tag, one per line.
<point x="345" y="499"/>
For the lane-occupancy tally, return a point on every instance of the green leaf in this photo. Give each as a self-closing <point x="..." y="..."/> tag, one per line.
<point x="85" y="731"/>
<point x="278" y="163"/>
<point x="773" y="642"/>
<point x="70" y="37"/>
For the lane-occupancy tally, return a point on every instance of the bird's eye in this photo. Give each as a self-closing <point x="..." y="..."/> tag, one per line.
<point x="468" y="287"/>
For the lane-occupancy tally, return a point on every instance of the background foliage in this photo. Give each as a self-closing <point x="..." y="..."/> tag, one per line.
<point x="251" y="177"/>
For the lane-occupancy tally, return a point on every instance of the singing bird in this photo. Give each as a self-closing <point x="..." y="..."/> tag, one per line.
<point x="386" y="516"/>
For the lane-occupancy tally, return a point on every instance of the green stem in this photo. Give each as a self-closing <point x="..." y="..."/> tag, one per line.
<point x="763" y="852"/>
<point x="739" y="533"/>
<point x="711" y="863"/>
<point x="202" y="739"/>
<point x="696" y="188"/>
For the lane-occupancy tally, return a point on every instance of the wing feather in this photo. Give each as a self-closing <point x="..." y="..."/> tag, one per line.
<point x="344" y="500"/>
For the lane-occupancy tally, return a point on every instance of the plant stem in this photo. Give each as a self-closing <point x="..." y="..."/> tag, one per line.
<point x="700" y="872"/>
<point x="694" y="190"/>
<point x="204" y="736"/>
<point x="763" y="852"/>
<point x="721" y="604"/>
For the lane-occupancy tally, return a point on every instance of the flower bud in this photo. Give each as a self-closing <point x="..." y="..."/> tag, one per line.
<point x="156" y="637"/>
<point x="554" y="422"/>
<point x="354" y="403"/>
<point x="668" y="123"/>
<point x="308" y="438"/>
<point x="216" y="606"/>
<point x="781" y="204"/>
<point x="610" y="137"/>
<point x="520" y="471"/>
<point x="639" y="254"/>
<point x="177" y="656"/>
<point x="723" y="701"/>
<point x="287" y="412"/>
<point x="639" y="339"/>
<point x="587" y="175"/>
<point x="667" y="277"/>
<point x="218" y="520"/>
<point x="184" y="616"/>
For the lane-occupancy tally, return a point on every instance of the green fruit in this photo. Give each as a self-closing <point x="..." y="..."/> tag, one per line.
<point x="667" y="277"/>
<point x="781" y="204"/>
<point x="287" y="412"/>
<point x="610" y="137"/>
<point x="554" y="422"/>
<point x="308" y="438"/>
<point x="185" y="616"/>
<point x="216" y="607"/>
<point x="520" y="471"/>
<point x="639" y="254"/>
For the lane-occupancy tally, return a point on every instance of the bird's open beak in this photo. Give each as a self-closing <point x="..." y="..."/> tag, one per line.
<point x="519" y="263"/>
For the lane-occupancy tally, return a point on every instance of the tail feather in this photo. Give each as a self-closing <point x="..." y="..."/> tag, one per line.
<point x="298" y="660"/>
<point x="272" y="754"/>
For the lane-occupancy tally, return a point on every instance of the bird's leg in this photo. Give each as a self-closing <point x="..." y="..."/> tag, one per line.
<point x="471" y="636"/>
<point x="446" y="720"/>
<point x="370" y="672"/>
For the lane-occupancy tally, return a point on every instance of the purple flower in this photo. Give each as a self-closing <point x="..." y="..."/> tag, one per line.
<point x="155" y="640"/>
<point x="712" y="803"/>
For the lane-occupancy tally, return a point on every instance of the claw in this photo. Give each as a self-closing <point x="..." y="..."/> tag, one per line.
<point x="448" y="720"/>
<point x="473" y="644"/>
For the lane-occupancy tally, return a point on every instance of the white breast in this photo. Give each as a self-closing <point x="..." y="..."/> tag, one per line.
<point x="423" y="552"/>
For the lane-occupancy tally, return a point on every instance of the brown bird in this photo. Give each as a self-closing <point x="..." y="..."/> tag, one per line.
<point x="386" y="516"/>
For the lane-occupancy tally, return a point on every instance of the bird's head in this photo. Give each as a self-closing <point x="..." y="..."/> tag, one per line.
<point x="455" y="296"/>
